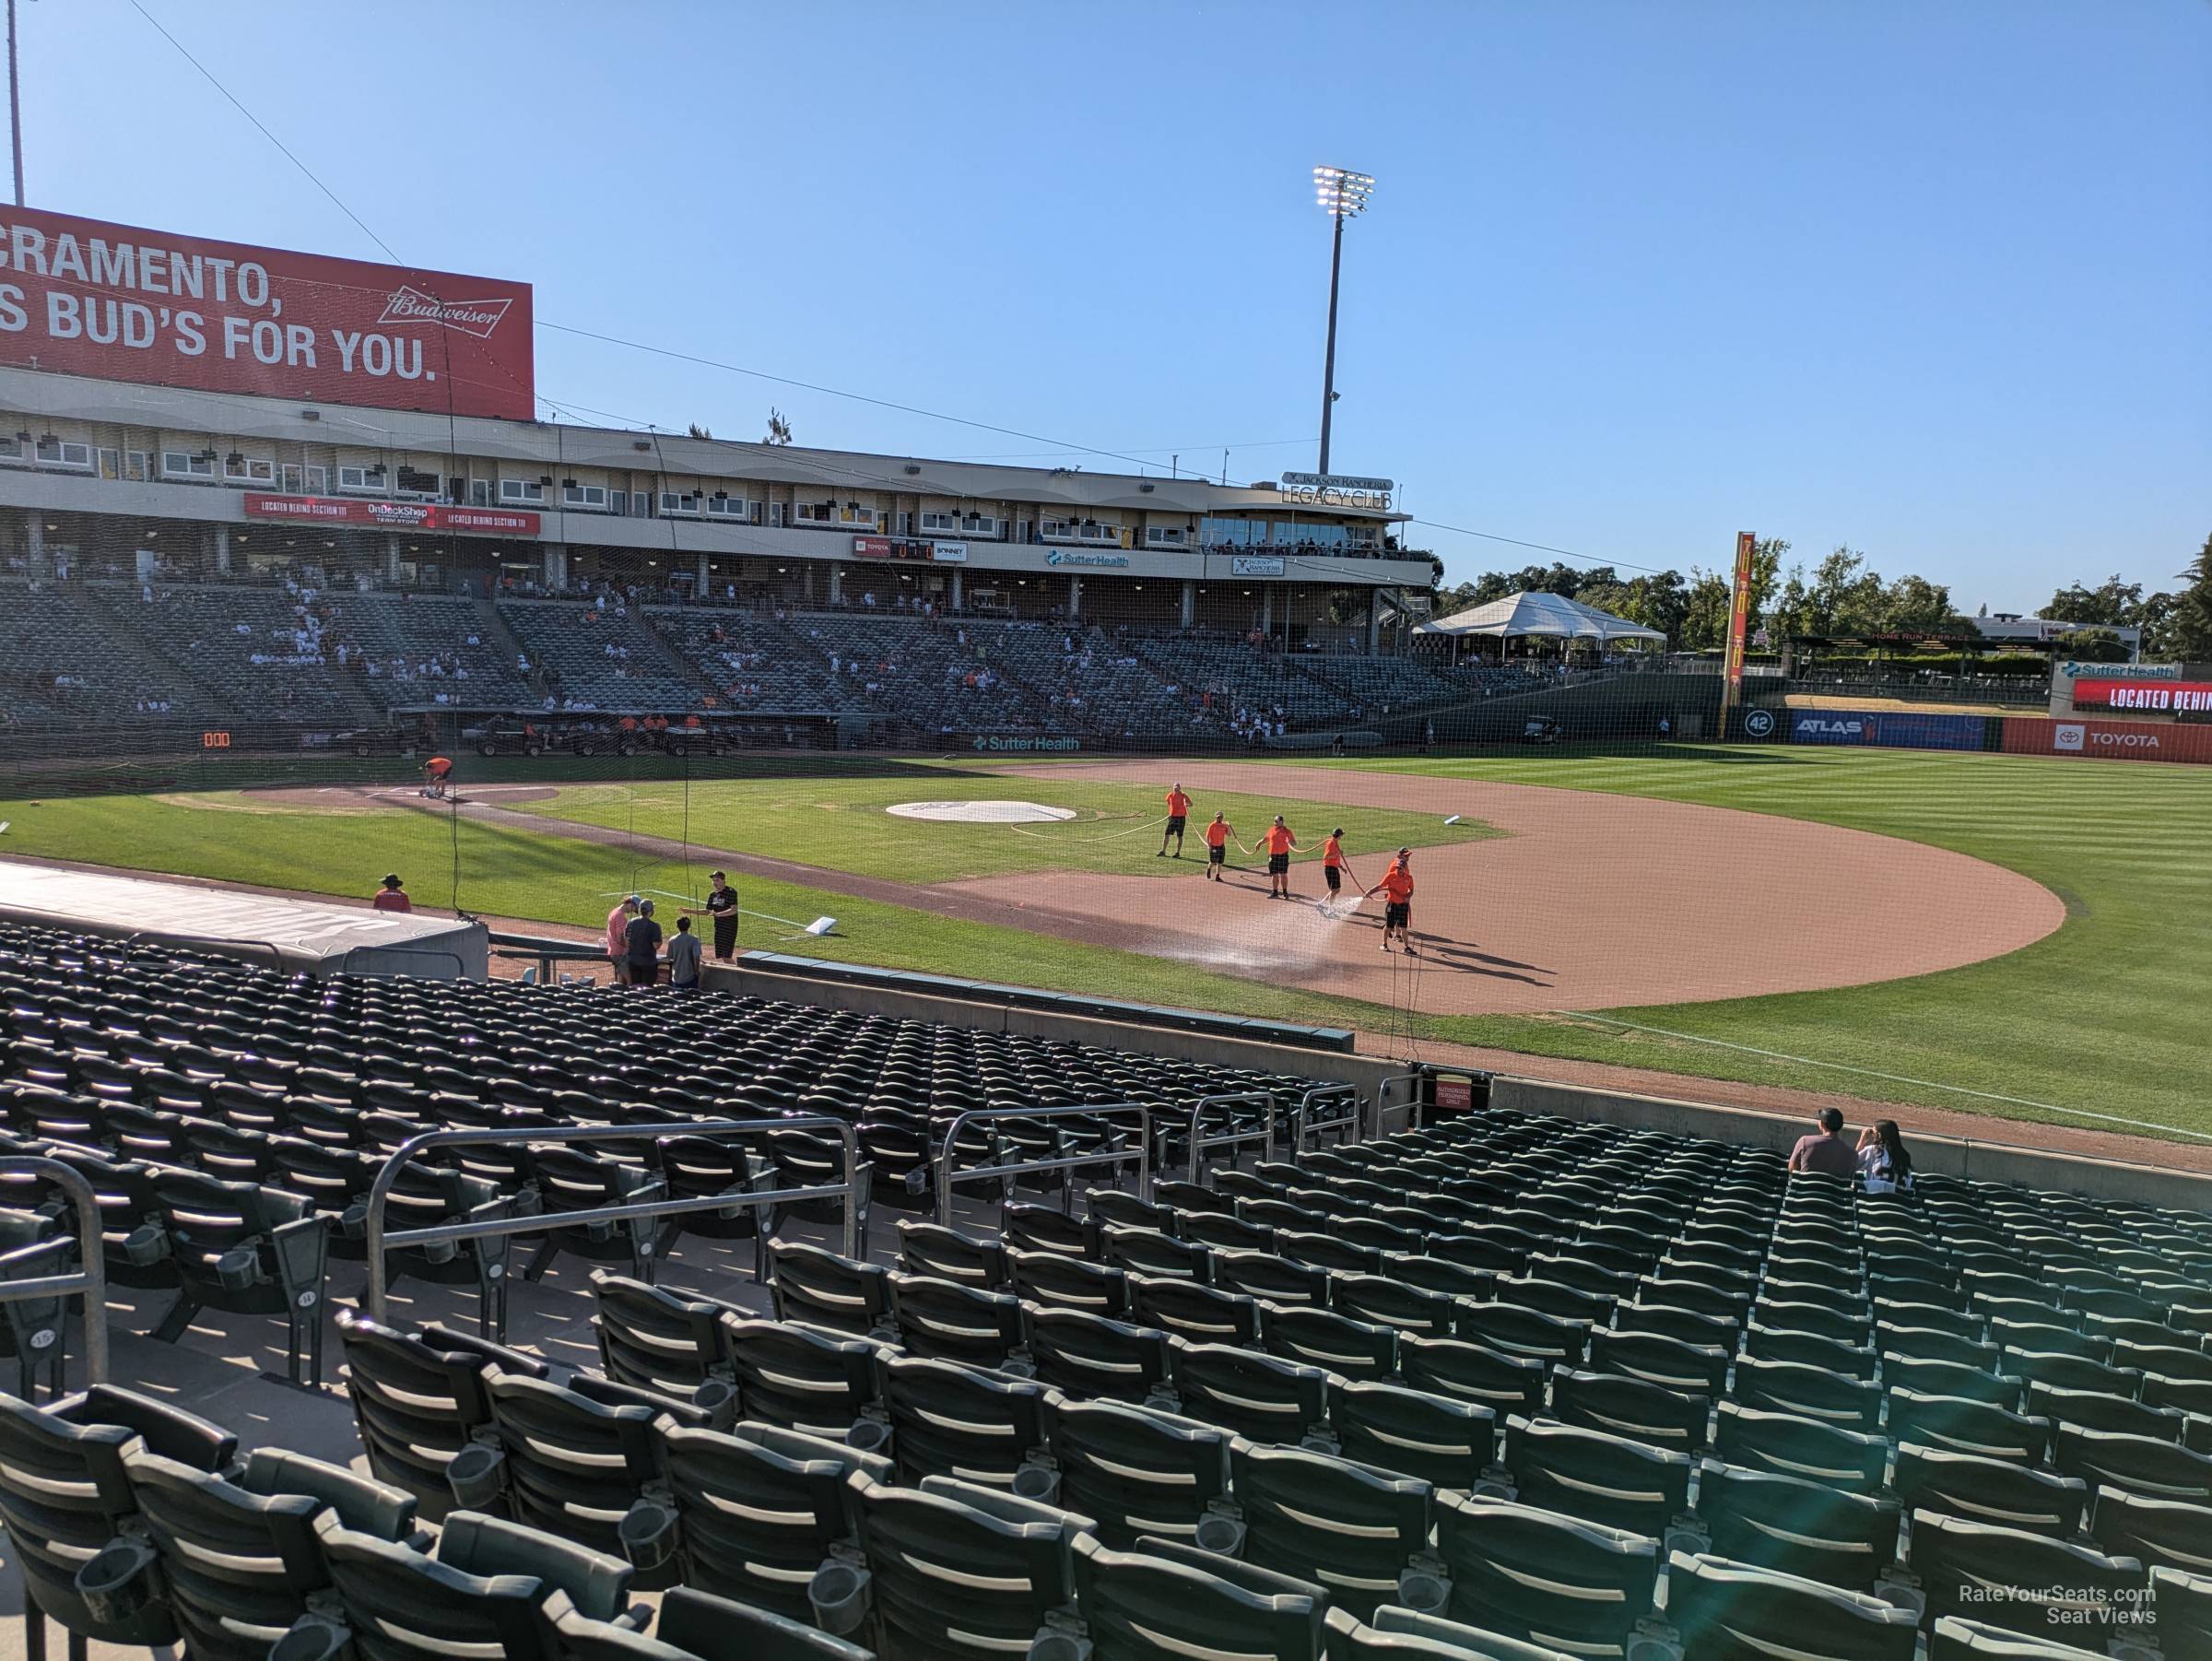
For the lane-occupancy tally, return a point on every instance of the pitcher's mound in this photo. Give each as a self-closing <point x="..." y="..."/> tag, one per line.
<point x="982" y="813"/>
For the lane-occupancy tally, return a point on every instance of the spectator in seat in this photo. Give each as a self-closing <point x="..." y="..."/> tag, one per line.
<point x="1882" y="1159"/>
<point x="393" y="896"/>
<point x="1826" y="1154"/>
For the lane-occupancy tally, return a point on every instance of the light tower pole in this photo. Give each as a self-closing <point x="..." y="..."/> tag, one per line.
<point x="1342" y="195"/>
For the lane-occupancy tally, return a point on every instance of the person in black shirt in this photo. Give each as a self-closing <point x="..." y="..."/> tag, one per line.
<point x="641" y="947"/>
<point x="721" y="906"/>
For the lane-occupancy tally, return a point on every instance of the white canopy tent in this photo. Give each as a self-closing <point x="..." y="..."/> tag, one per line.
<point x="1546" y="615"/>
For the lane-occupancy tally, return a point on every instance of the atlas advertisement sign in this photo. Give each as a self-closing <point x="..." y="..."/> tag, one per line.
<point x="391" y="515"/>
<point x="2152" y="697"/>
<point x="2108" y="740"/>
<point x="83" y="297"/>
<point x="1888" y="729"/>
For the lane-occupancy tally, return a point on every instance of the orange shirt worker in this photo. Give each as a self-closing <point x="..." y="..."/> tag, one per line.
<point x="436" y="771"/>
<point x="1278" y="841"/>
<point x="1396" y="888"/>
<point x="1331" y="861"/>
<point x="1179" y="810"/>
<point x="1216" y="836"/>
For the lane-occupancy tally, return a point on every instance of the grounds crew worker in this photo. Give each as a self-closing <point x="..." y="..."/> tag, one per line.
<point x="1217" y="834"/>
<point x="721" y="906"/>
<point x="1179" y="810"/>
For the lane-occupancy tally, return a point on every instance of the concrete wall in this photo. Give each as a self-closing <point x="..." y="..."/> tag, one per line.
<point x="1366" y="1072"/>
<point x="1991" y="1161"/>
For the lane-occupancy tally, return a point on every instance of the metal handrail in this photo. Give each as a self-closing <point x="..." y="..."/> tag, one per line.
<point x="1413" y="1098"/>
<point x="1142" y="1153"/>
<point x="176" y="937"/>
<point x="92" y="1277"/>
<point x="1235" y="1139"/>
<point x="379" y="1242"/>
<point x="1302" y="1121"/>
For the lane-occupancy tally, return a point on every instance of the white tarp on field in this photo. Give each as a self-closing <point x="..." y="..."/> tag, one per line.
<point x="258" y="928"/>
<point x="982" y="812"/>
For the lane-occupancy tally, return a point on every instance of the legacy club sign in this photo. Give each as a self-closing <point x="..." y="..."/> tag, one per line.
<point x="1337" y="490"/>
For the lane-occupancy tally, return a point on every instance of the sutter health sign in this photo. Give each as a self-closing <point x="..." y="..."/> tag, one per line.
<point x="83" y="297"/>
<point x="2158" y="696"/>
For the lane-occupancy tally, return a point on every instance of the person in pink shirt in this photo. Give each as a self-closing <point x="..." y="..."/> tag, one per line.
<point x="618" y="938"/>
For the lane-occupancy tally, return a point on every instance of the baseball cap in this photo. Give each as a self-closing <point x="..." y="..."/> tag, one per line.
<point x="633" y="899"/>
<point x="716" y="874"/>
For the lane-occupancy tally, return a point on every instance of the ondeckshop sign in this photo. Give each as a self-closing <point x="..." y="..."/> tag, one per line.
<point x="2158" y="697"/>
<point x="393" y="515"/>
<point x="83" y="297"/>
<point x="2108" y="740"/>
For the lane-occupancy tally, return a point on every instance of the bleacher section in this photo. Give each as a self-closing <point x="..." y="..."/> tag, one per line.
<point x="1508" y="1386"/>
<point x="118" y="652"/>
<point x="573" y="643"/>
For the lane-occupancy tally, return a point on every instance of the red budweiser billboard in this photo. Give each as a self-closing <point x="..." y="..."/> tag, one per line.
<point x="2158" y="697"/>
<point x="2111" y="740"/>
<point x="391" y="515"/>
<point x="81" y="297"/>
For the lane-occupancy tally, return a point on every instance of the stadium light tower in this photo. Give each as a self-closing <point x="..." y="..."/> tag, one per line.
<point x="1342" y="195"/>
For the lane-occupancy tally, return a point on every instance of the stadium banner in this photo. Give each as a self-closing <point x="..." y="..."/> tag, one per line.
<point x="84" y="297"/>
<point x="2158" y="697"/>
<point x="2107" y="740"/>
<point x="1739" y="623"/>
<point x="391" y="515"/>
<point x="890" y="547"/>
<point x="1255" y="565"/>
<point x="1890" y="729"/>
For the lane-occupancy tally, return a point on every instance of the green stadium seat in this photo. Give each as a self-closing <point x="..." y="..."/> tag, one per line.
<point x="1787" y="1445"/>
<point x="1543" y="1578"/>
<point x="1727" y="1610"/>
<point x="1997" y="1492"/>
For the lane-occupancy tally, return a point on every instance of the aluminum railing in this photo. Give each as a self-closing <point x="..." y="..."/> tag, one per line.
<point x="1304" y="1125"/>
<point x="379" y="1241"/>
<point x="1200" y="1146"/>
<point x="91" y="1275"/>
<point x="168" y="938"/>
<point x="949" y="1174"/>
<point x="1410" y="1084"/>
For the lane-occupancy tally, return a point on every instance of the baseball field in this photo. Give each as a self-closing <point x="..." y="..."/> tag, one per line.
<point x="1988" y="934"/>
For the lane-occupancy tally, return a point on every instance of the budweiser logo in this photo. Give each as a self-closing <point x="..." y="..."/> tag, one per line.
<point x="477" y="317"/>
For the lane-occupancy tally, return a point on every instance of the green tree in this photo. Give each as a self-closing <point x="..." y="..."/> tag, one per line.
<point x="1705" y="606"/>
<point x="2113" y="604"/>
<point x="2189" y="631"/>
<point x="697" y="432"/>
<point x="1915" y="606"/>
<point x="779" y="426"/>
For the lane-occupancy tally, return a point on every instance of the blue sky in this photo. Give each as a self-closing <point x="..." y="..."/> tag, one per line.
<point x="1929" y="279"/>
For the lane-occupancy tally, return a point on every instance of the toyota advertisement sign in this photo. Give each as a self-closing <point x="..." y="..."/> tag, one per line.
<point x="82" y="296"/>
<point x="2109" y="740"/>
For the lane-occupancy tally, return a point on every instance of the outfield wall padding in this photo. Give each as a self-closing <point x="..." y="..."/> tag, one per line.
<point x="2108" y="740"/>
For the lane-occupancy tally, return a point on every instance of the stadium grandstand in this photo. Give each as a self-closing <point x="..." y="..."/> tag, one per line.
<point x="206" y="560"/>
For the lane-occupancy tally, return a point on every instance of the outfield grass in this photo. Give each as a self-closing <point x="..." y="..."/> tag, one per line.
<point x="2107" y="1015"/>
<point x="841" y="823"/>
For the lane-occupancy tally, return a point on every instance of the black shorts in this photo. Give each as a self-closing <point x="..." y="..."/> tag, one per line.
<point x="1397" y="913"/>
<point x="1215" y="856"/>
<point x="1334" y="874"/>
<point x="1278" y="864"/>
<point x="1175" y="825"/>
<point x="725" y="935"/>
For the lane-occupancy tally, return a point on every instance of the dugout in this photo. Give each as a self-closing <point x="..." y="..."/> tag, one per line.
<point x="288" y="935"/>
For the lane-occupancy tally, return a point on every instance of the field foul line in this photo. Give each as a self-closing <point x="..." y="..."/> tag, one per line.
<point x="1930" y="1084"/>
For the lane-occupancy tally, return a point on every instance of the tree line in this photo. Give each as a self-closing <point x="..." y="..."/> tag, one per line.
<point x="1842" y="597"/>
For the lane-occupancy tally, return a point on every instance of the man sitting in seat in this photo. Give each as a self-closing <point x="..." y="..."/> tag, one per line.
<point x="1826" y="1154"/>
